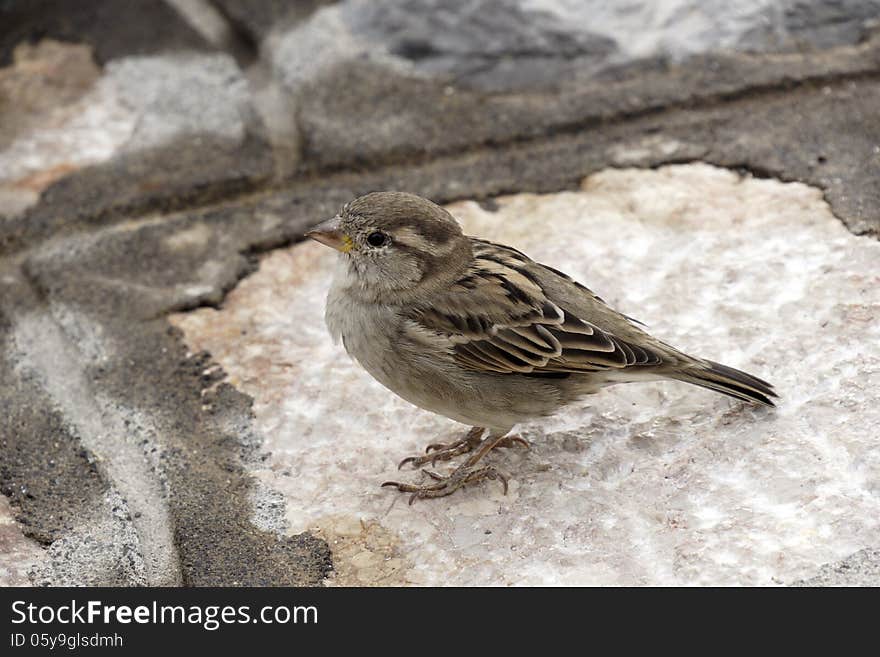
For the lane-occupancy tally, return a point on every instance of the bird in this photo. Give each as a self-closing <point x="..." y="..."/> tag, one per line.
<point x="480" y="333"/>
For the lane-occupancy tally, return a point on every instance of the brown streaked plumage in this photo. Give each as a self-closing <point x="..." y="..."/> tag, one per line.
<point x="482" y="334"/>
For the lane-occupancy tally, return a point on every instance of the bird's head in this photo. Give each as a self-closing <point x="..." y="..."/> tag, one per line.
<point x="396" y="246"/>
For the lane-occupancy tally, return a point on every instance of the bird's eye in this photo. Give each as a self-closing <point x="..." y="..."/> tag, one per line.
<point x="377" y="238"/>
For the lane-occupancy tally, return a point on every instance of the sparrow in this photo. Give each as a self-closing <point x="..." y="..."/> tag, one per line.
<point x="482" y="334"/>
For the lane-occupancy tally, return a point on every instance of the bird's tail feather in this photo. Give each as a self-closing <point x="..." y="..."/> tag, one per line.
<point x="729" y="381"/>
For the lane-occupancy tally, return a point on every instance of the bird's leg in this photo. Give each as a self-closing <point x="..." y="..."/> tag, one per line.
<point x="466" y="473"/>
<point x="446" y="451"/>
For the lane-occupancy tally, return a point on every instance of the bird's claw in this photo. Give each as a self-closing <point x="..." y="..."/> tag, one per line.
<point x="446" y="485"/>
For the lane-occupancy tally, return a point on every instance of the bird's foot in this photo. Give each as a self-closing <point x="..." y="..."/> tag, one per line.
<point x="446" y="485"/>
<point x="446" y="451"/>
<point x="466" y="473"/>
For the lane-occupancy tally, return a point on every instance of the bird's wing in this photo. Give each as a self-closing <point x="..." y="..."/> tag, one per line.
<point x="500" y="317"/>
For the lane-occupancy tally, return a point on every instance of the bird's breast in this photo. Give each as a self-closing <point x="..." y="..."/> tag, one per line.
<point x="367" y="332"/>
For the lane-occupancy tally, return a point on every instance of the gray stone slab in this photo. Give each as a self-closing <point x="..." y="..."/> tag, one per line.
<point x="421" y="79"/>
<point x="495" y="45"/>
<point x="385" y="116"/>
<point x="825" y="135"/>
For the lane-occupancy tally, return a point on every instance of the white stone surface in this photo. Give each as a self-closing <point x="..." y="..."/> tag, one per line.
<point x="641" y="484"/>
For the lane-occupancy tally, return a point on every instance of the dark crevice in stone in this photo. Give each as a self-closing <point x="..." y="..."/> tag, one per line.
<point x="245" y="38"/>
<point x="215" y="303"/>
<point x="665" y="162"/>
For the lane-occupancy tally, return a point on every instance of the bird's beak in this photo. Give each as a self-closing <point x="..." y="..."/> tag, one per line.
<point x="329" y="233"/>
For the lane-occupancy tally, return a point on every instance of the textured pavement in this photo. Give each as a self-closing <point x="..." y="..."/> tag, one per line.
<point x="145" y="171"/>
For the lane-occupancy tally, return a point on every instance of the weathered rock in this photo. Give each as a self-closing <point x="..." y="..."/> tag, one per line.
<point x="496" y="45"/>
<point x="641" y="484"/>
<point x="380" y="81"/>
<point x="185" y="131"/>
